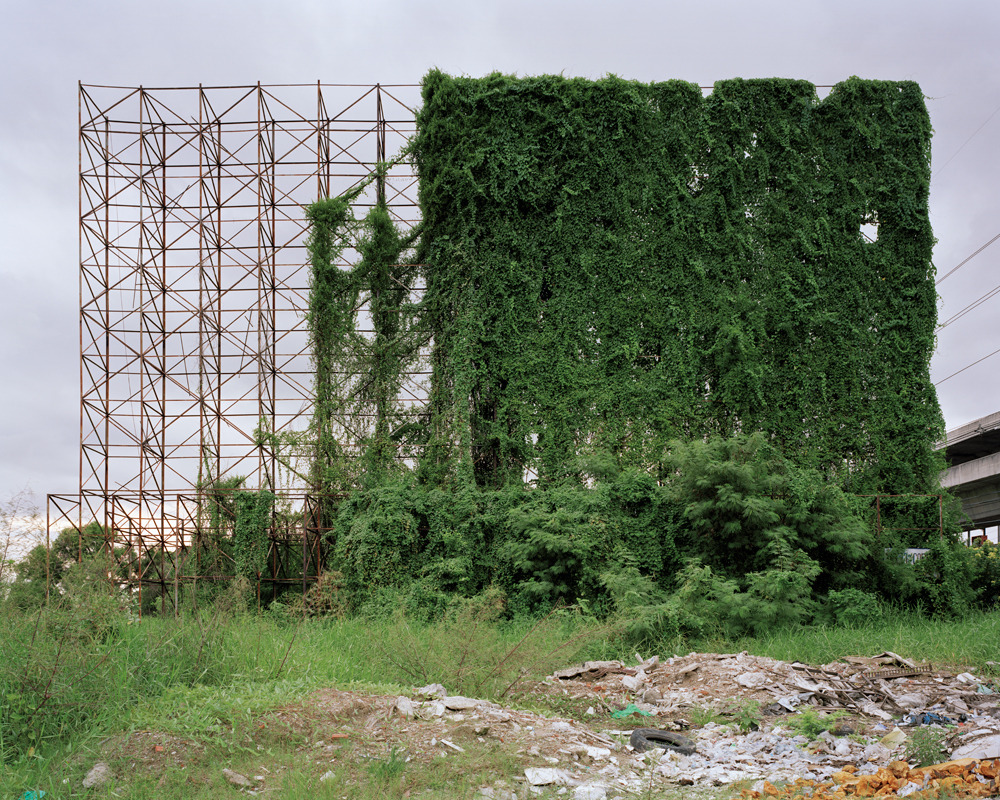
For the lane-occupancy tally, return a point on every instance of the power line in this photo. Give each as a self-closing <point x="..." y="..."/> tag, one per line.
<point x="973" y="305"/>
<point x="963" y="369"/>
<point x="966" y="260"/>
<point x="946" y="163"/>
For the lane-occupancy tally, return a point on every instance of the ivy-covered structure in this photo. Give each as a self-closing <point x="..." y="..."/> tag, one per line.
<point x="611" y="265"/>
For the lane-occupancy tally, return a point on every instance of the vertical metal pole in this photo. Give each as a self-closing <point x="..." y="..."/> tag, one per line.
<point x="106" y="288"/>
<point x="140" y="259"/>
<point x="48" y="548"/>
<point x="162" y="369"/>
<point x="80" y="284"/>
<point x="305" y="547"/>
<point x="379" y="145"/>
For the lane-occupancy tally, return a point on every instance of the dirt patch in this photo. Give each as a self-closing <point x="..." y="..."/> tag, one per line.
<point x="743" y="715"/>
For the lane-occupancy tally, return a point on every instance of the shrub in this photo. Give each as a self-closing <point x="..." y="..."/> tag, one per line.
<point x="986" y="574"/>
<point x="851" y="608"/>
<point x="927" y="746"/>
<point x="946" y="574"/>
<point x="751" y="510"/>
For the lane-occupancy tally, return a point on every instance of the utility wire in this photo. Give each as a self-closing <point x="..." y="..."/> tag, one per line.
<point x="966" y="260"/>
<point x="963" y="369"/>
<point x="973" y="305"/>
<point x="946" y="163"/>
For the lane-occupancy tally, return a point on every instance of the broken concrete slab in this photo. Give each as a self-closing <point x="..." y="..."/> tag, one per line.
<point x="547" y="776"/>
<point x="236" y="779"/>
<point x="459" y="703"/>
<point x="980" y="748"/>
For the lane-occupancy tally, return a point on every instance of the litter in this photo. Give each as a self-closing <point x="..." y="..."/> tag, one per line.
<point x="629" y="710"/>
<point x="896" y="672"/>
<point x="927" y="718"/>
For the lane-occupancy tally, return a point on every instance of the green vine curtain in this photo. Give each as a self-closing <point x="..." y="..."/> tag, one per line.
<point x="612" y="265"/>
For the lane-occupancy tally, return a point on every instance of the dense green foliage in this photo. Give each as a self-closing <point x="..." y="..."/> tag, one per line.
<point x="358" y="422"/>
<point x="612" y="265"/>
<point x="668" y="333"/>
<point x="737" y="538"/>
<point x="251" y="528"/>
<point x="540" y="548"/>
<point x="749" y="510"/>
<point x="333" y="300"/>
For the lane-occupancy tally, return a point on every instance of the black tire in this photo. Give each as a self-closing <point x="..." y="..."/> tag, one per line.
<point x="647" y="738"/>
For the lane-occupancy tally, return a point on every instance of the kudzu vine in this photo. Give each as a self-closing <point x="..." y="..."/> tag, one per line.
<point x="358" y="421"/>
<point x="612" y="265"/>
<point x="252" y="513"/>
<point x="629" y="286"/>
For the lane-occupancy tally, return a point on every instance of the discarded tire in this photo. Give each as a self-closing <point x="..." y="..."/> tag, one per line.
<point x="647" y="738"/>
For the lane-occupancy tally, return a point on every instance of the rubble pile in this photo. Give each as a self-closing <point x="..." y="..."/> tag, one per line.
<point x="876" y="692"/>
<point x="883" y="687"/>
<point x="708" y="719"/>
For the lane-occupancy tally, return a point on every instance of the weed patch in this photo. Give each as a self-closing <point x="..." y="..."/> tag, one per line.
<point x="470" y="652"/>
<point x="811" y="723"/>
<point x="926" y="746"/>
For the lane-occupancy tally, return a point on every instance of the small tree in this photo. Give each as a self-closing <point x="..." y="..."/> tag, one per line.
<point x="39" y="569"/>
<point x="21" y="527"/>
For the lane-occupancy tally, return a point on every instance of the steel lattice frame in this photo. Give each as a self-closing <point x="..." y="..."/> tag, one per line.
<point x="193" y="287"/>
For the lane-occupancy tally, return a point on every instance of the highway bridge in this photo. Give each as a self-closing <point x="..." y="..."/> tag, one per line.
<point x="973" y="474"/>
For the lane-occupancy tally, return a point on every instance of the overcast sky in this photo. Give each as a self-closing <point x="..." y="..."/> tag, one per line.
<point x="46" y="47"/>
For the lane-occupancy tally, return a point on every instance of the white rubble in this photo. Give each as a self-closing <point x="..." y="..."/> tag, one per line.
<point x="981" y="747"/>
<point x="545" y="776"/>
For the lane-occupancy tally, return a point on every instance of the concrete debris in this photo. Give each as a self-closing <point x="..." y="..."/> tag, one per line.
<point x="590" y="792"/>
<point x="885" y="686"/>
<point x="979" y="747"/>
<point x="433" y="709"/>
<point x="757" y="709"/>
<point x="404" y="707"/>
<point x="652" y="695"/>
<point x="753" y="680"/>
<point x="459" y="703"/>
<point x="237" y="780"/>
<point x="546" y="776"/>
<point x="99" y="775"/>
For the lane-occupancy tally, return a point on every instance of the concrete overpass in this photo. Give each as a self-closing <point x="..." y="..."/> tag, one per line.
<point x="973" y="474"/>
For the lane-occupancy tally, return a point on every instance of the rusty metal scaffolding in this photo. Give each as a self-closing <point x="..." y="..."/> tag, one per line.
<point x="193" y="288"/>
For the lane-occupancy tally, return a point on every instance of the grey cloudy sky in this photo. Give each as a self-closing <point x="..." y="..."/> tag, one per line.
<point x="46" y="47"/>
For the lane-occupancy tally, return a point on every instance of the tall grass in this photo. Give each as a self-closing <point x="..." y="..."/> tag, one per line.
<point x="958" y="643"/>
<point x="968" y="642"/>
<point x="84" y="667"/>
